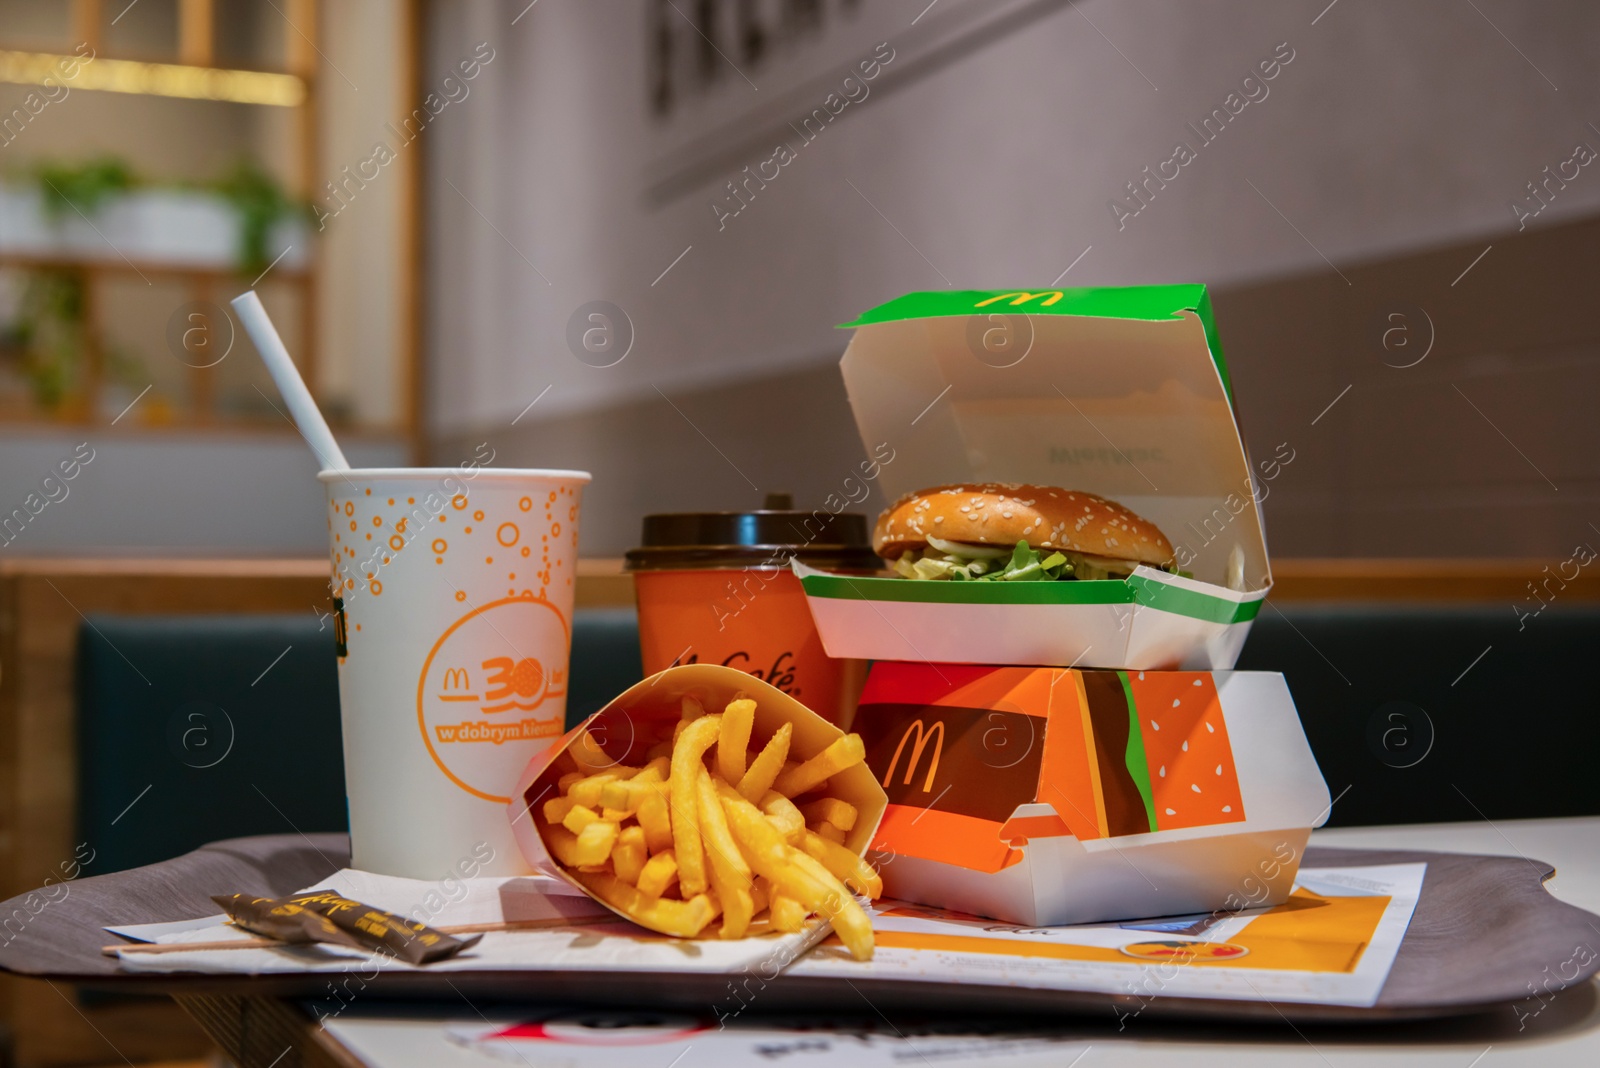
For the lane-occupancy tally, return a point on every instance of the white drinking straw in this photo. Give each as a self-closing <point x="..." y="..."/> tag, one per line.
<point x="282" y="369"/>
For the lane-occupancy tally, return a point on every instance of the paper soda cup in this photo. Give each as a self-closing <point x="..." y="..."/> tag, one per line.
<point x="453" y="615"/>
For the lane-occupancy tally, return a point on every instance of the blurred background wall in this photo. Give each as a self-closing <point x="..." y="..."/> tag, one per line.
<point x="1401" y="273"/>
<point x="1357" y="184"/>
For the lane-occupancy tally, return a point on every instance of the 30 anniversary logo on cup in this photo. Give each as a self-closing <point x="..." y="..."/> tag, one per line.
<point x="480" y="689"/>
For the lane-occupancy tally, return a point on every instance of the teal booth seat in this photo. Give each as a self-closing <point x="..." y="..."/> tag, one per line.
<point x="196" y="728"/>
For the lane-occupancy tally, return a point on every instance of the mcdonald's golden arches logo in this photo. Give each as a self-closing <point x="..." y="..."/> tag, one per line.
<point x="924" y="735"/>
<point x="1022" y="297"/>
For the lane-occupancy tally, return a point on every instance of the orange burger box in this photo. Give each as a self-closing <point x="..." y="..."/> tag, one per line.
<point x="645" y="714"/>
<point x="1048" y="796"/>
<point x="1122" y="392"/>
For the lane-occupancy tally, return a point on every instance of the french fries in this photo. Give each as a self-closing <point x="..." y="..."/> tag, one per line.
<point x="708" y="828"/>
<point x="737" y="720"/>
<point x="842" y="814"/>
<point x="683" y="919"/>
<point x="688" y="755"/>
<point x="630" y="856"/>
<point x="781" y="811"/>
<point x="659" y="874"/>
<point x="786" y="913"/>
<point x="856" y="873"/>
<point x="656" y="822"/>
<point x="730" y="873"/>
<point x="593" y="845"/>
<point x="843" y="753"/>
<point x="764" y="770"/>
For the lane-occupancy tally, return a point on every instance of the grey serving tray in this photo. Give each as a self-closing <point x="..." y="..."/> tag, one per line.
<point x="1485" y="933"/>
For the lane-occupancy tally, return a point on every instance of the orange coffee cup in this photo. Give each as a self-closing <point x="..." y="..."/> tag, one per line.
<point x="716" y="588"/>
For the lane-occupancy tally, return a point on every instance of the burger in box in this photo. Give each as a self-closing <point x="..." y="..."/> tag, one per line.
<point x="1005" y="532"/>
<point x="1076" y="450"/>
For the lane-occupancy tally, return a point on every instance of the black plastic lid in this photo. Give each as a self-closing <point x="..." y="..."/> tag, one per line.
<point x="766" y="536"/>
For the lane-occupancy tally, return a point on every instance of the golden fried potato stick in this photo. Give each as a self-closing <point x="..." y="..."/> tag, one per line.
<point x="760" y="898"/>
<point x="830" y="832"/>
<point x="556" y="809"/>
<point x="659" y="873"/>
<point x="578" y="817"/>
<point x="730" y="874"/>
<point x="734" y="742"/>
<point x="594" y="842"/>
<point x="767" y="852"/>
<point x="845" y="752"/>
<point x="855" y="871"/>
<point x="714" y="834"/>
<point x="764" y="769"/>
<point x="681" y="919"/>
<point x="770" y="856"/>
<point x="796" y="875"/>
<point x="850" y="921"/>
<point x="563" y="844"/>
<point x="629" y="855"/>
<point x="687" y="756"/>
<point x="626" y="795"/>
<point x="842" y="814"/>
<point x="653" y="817"/>
<point x="587" y="790"/>
<point x="784" y="816"/>
<point x="691" y="710"/>
<point x="727" y="794"/>
<point x="786" y="914"/>
<point x="621" y="796"/>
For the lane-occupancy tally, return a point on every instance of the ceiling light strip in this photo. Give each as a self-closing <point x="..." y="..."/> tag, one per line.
<point x="153" y="79"/>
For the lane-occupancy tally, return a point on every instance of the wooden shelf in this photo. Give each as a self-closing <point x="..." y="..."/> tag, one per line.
<point x="116" y="265"/>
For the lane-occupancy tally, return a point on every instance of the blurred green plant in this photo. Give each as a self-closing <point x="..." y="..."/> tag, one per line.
<point x="44" y="339"/>
<point x="84" y="187"/>
<point x="45" y="335"/>
<point x="260" y="203"/>
<point x="258" y="200"/>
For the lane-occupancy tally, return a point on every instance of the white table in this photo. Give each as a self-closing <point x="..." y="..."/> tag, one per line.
<point x="1566" y="1032"/>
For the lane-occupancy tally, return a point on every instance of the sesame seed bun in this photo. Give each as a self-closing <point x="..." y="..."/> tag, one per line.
<point x="1000" y="514"/>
